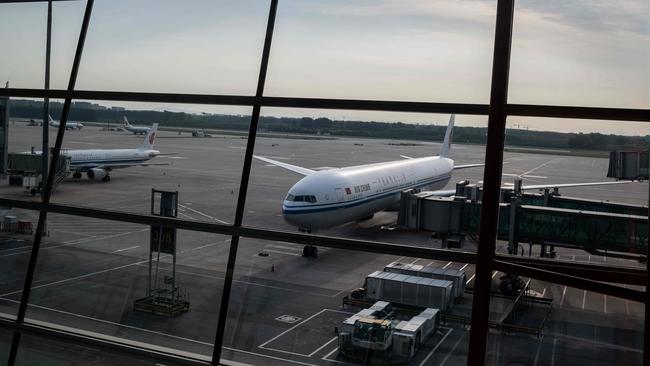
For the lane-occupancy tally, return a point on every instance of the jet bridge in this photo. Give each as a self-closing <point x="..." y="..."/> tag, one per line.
<point x="547" y="219"/>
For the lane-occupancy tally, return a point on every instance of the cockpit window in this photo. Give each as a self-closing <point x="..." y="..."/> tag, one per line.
<point x="306" y="198"/>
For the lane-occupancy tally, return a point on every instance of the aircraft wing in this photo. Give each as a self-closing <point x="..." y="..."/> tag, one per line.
<point x="564" y="185"/>
<point x="293" y="168"/>
<point x="467" y="166"/>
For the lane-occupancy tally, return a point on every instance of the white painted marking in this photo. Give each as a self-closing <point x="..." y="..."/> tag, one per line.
<point x="203" y="214"/>
<point x="323" y="346"/>
<point x="584" y="298"/>
<point x="282" y="247"/>
<point x="251" y="283"/>
<point x="449" y="330"/>
<point x="326" y="358"/>
<point x="463" y="267"/>
<point x="553" y="351"/>
<point x="447" y="265"/>
<point x="271" y="357"/>
<point x="444" y="360"/>
<point x="299" y="324"/>
<point x="204" y="246"/>
<point x="76" y="241"/>
<point x="125" y="249"/>
<point x="164" y="334"/>
<point x="539" y="348"/>
<point x="470" y="279"/>
<point x="495" y="273"/>
<point x="605" y="304"/>
<point x="563" y="296"/>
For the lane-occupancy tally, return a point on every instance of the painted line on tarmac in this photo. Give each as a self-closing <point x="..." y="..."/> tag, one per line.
<point x="125" y="249"/>
<point x="252" y="284"/>
<point x="202" y="214"/>
<point x="323" y="346"/>
<point x="326" y="358"/>
<point x="262" y="346"/>
<point x="449" y="330"/>
<point x="444" y="360"/>
<point x="90" y="274"/>
<point x="592" y="342"/>
<point x="161" y="334"/>
<point x="76" y="241"/>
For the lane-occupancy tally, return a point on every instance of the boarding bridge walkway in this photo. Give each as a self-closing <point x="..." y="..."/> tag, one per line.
<point x="538" y="219"/>
<point x="30" y="165"/>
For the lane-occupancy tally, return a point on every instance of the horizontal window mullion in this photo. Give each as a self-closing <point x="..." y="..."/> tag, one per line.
<point x="593" y="271"/>
<point x="598" y="113"/>
<point x="571" y="281"/>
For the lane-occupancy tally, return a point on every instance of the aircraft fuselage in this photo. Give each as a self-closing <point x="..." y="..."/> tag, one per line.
<point x="333" y="197"/>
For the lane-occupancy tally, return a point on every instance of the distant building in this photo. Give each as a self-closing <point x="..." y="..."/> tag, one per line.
<point x="118" y="109"/>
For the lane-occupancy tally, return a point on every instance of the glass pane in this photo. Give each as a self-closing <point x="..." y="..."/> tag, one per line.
<point x="555" y="324"/>
<point x="581" y="54"/>
<point x="291" y="309"/>
<point x="197" y="151"/>
<point x="209" y="47"/>
<point x="28" y="21"/>
<point x="594" y="220"/>
<point x="24" y="145"/>
<point x="98" y="276"/>
<point x="16" y="240"/>
<point x="381" y="50"/>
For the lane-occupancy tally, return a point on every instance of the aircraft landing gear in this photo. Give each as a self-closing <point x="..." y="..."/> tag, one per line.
<point x="76" y="175"/>
<point x="106" y="178"/>
<point x="310" y="251"/>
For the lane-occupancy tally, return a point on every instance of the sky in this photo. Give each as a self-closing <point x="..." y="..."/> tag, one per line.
<point x="581" y="52"/>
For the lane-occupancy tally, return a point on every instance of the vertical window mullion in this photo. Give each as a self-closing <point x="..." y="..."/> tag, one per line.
<point x="243" y="186"/>
<point x="491" y="183"/>
<point x="38" y="235"/>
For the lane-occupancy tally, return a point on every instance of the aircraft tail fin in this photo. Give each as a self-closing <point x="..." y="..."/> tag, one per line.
<point x="446" y="145"/>
<point x="126" y="122"/>
<point x="49" y="118"/>
<point x="150" y="138"/>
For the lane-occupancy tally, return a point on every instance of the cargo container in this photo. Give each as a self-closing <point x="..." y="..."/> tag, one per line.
<point x="409" y="290"/>
<point x="458" y="277"/>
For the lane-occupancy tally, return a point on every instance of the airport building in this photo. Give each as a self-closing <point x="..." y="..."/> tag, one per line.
<point x="247" y="215"/>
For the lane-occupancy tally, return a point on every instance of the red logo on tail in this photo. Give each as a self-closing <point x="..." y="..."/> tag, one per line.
<point x="152" y="137"/>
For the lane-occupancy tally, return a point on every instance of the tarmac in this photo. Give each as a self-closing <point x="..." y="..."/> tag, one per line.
<point x="283" y="307"/>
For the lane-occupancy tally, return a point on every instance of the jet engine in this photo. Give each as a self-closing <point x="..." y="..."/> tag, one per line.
<point x="96" y="173"/>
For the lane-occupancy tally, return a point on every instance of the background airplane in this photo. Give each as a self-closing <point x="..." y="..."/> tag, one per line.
<point x="98" y="163"/>
<point x="135" y="129"/>
<point x="68" y="125"/>
<point x="332" y="197"/>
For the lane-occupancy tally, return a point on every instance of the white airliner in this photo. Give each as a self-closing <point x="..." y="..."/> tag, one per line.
<point x="97" y="163"/>
<point x="328" y="198"/>
<point x="68" y="125"/>
<point x="135" y="129"/>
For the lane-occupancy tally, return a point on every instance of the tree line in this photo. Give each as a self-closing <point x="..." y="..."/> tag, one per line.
<point x="326" y="126"/>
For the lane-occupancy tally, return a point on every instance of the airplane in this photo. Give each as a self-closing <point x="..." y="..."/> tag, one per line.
<point x="135" y="129"/>
<point x="98" y="163"/>
<point x="68" y="125"/>
<point x="334" y="196"/>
